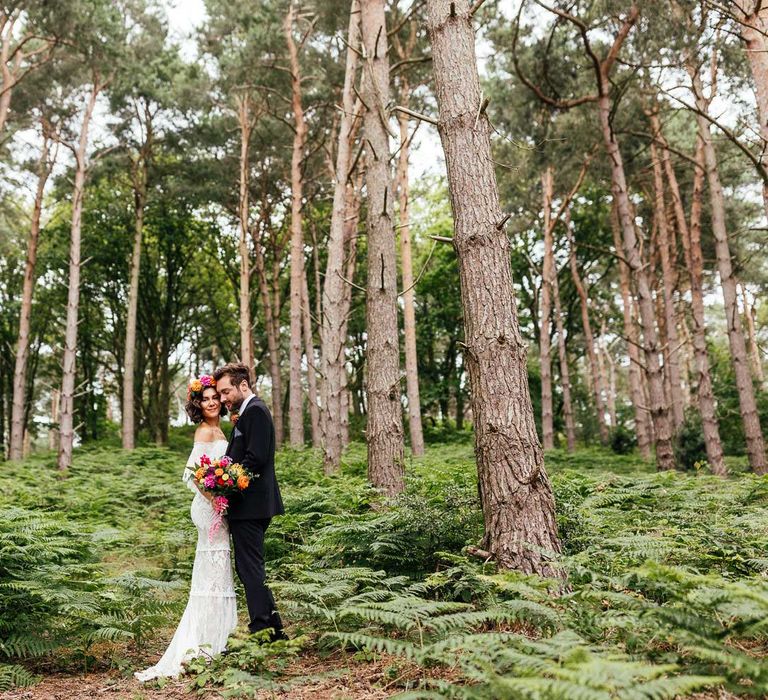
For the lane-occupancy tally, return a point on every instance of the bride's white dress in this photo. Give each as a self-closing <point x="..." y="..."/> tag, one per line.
<point x="211" y="613"/>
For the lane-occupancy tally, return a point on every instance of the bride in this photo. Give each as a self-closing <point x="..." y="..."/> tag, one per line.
<point x="211" y="613"/>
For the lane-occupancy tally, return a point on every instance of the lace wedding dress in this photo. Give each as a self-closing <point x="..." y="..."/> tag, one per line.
<point x="211" y="613"/>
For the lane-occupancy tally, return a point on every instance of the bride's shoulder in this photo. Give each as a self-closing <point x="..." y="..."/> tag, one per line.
<point x="205" y="433"/>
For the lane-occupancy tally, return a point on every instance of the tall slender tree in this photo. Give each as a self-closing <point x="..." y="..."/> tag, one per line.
<point x="384" y="429"/>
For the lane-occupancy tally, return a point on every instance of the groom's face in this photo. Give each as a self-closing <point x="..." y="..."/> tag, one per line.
<point x="231" y="395"/>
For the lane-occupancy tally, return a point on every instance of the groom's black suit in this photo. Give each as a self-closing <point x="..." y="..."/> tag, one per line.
<point x="252" y="444"/>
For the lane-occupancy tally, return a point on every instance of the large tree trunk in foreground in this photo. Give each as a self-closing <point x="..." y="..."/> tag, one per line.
<point x="662" y="426"/>
<point x="333" y="322"/>
<point x="409" y="306"/>
<point x="694" y="260"/>
<point x="747" y="404"/>
<point x="636" y="387"/>
<point x="668" y="286"/>
<point x="589" y="339"/>
<point x="296" y="394"/>
<point x="67" y="401"/>
<point x="245" y="122"/>
<point x="139" y="178"/>
<point x="22" y="346"/>
<point x="384" y="430"/>
<point x="516" y="495"/>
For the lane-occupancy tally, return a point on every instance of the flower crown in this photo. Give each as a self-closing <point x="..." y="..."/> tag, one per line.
<point x="198" y="386"/>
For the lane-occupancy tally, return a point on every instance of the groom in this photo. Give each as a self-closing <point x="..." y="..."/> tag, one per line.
<point x="252" y="444"/>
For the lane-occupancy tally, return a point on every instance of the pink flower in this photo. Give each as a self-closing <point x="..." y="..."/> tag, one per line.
<point x="205" y="461"/>
<point x="210" y="481"/>
<point x="220" y="504"/>
<point x="225" y="461"/>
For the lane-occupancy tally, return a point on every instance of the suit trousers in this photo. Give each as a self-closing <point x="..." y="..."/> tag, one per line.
<point x="248" y="539"/>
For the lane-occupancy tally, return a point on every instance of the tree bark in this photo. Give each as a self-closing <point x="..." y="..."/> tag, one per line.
<point x="668" y="285"/>
<point x="754" y="30"/>
<point x="67" y="400"/>
<point x="245" y="123"/>
<point x="22" y="346"/>
<point x="545" y="347"/>
<point x="515" y="492"/>
<point x="662" y="427"/>
<point x="333" y="321"/>
<point x="754" y="350"/>
<point x="598" y="386"/>
<point x="309" y="353"/>
<point x="409" y="306"/>
<point x="384" y="430"/>
<point x="611" y="378"/>
<point x="747" y="404"/>
<point x="139" y="180"/>
<point x="296" y="402"/>
<point x="636" y="388"/>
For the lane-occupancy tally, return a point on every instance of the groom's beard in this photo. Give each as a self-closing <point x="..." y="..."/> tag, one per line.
<point x="237" y="403"/>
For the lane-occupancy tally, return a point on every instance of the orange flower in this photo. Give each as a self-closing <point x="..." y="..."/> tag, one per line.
<point x="242" y="482"/>
<point x="199" y="474"/>
<point x="219" y="471"/>
<point x="196" y="385"/>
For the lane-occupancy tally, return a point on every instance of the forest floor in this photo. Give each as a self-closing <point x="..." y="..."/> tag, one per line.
<point x="668" y="574"/>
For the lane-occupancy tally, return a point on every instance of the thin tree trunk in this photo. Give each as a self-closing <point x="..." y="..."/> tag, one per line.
<point x="309" y="353"/>
<point x="53" y="433"/>
<point x="245" y="122"/>
<point x="333" y="321"/>
<point x="565" y="376"/>
<point x="636" y="389"/>
<point x="272" y="340"/>
<point x="545" y="347"/>
<point x="589" y="341"/>
<point x="139" y="178"/>
<point x="668" y="285"/>
<point x="9" y="74"/>
<point x="22" y="346"/>
<point x="515" y="492"/>
<point x="754" y="350"/>
<point x="384" y="430"/>
<point x="67" y="410"/>
<point x="754" y="28"/>
<point x="409" y="307"/>
<point x="748" y="406"/>
<point x="611" y="380"/>
<point x="296" y="399"/>
<point x="662" y="427"/>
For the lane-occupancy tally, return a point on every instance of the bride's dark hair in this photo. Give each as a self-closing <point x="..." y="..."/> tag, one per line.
<point x="194" y="406"/>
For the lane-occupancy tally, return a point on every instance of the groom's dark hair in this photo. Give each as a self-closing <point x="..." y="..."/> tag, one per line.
<point x="236" y="371"/>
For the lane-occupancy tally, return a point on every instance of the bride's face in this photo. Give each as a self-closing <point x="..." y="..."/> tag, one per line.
<point x="211" y="404"/>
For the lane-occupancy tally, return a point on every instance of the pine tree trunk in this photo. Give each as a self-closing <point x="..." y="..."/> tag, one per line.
<point x="309" y="353"/>
<point x="611" y="379"/>
<point x="662" y="427"/>
<point x="409" y="306"/>
<point x="668" y="285"/>
<point x="515" y="492"/>
<point x="9" y="74"/>
<point x="245" y="122"/>
<point x="754" y="350"/>
<point x="384" y="430"/>
<point x="545" y="346"/>
<point x="695" y="264"/>
<point x="333" y="321"/>
<point x="139" y="179"/>
<point x="67" y="401"/>
<point x="53" y="433"/>
<point x="747" y="404"/>
<point x="273" y="345"/>
<point x="589" y="340"/>
<point x="565" y="375"/>
<point x="296" y="402"/>
<point x="22" y="346"/>
<point x="636" y="388"/>
<point x="754" y="29"/>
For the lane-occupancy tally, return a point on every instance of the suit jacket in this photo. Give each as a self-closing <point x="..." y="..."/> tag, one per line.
<point x="252" y="444"/>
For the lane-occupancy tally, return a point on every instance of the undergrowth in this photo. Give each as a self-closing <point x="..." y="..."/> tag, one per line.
<point x="668" y="577"/>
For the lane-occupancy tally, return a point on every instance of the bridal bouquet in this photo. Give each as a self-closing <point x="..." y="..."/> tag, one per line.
<point x="221" y="477"/>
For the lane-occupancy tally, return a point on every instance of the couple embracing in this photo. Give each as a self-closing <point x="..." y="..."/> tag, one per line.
<point x="211" y="613"/>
